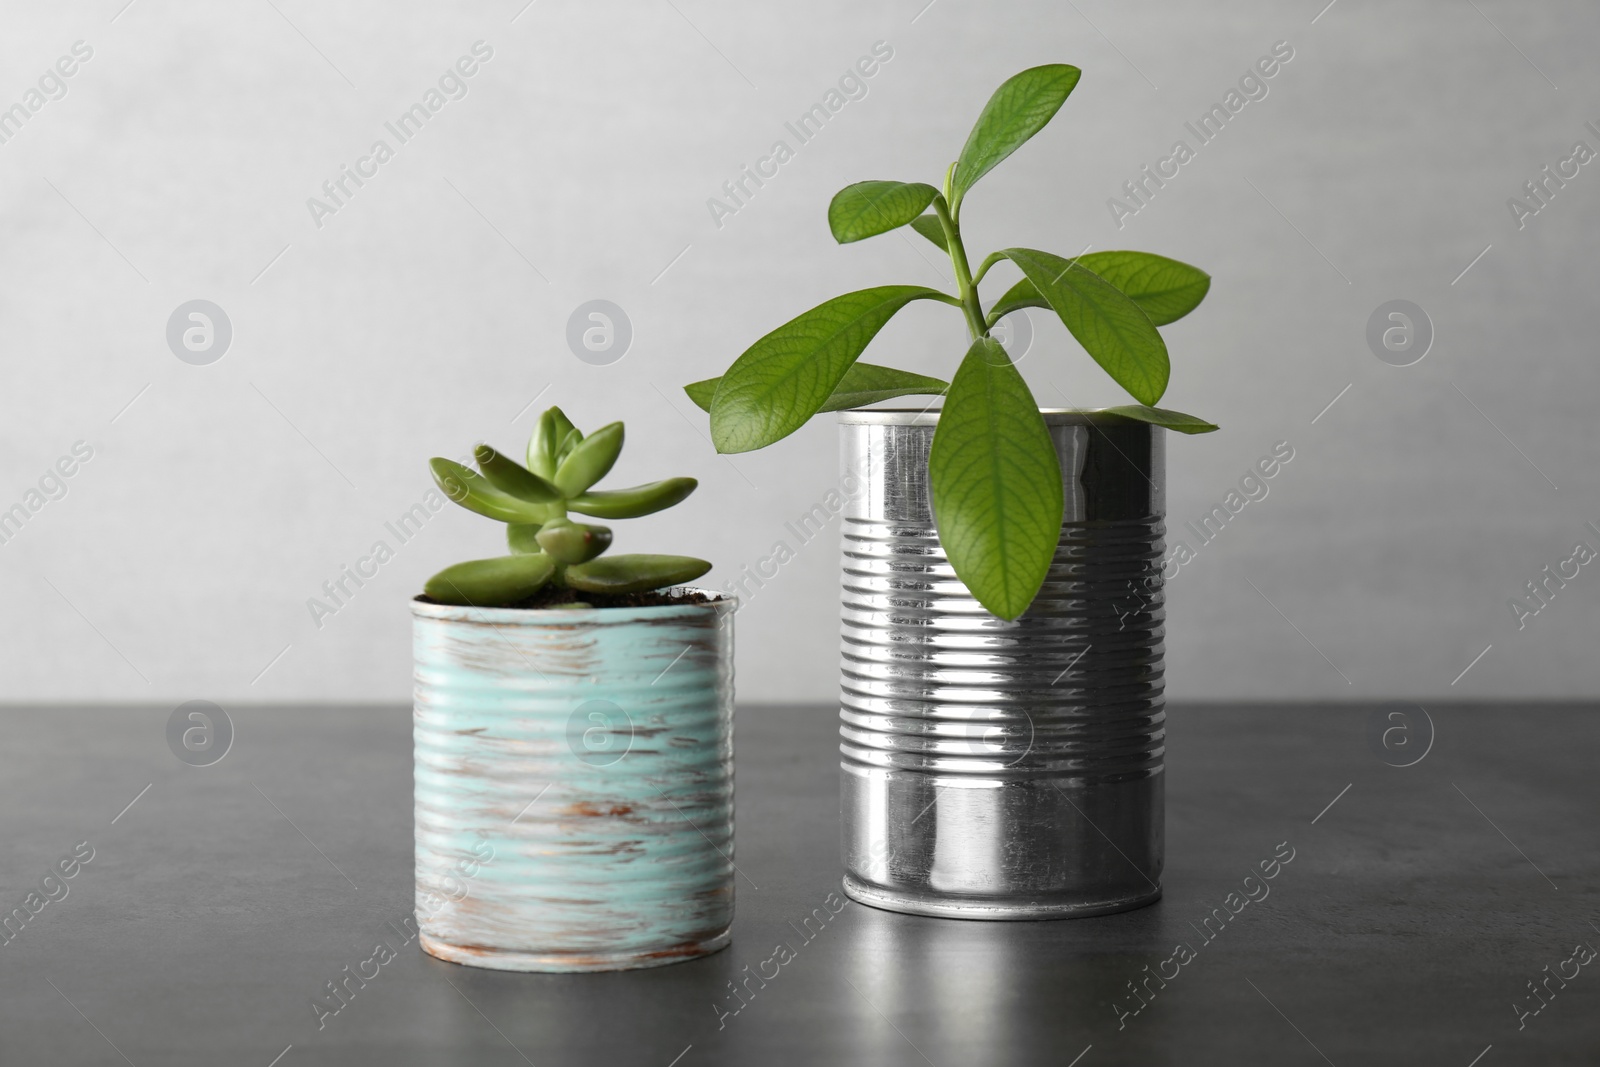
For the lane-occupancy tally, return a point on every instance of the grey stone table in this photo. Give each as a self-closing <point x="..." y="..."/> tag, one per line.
<point x="1420" y="903"/>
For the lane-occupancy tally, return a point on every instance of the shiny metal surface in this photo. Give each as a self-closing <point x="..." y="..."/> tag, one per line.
<point x="574" y="784"/>
<point x="993" y="769"/>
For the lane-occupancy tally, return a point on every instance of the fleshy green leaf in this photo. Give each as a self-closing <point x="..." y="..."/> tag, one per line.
<point x="552" y="427"/>
<point x="862" y="384"/>
<point x="784" y="378"/>
<point x="1165" y="289"/>
<point x="571" y="440"/>
<point x="867" y="209"/>
<point x="473" y="492"/>
<point x="635" y="500"/>
<point x="1110" y="326"/>
<point x="589" y="460"/>
<point x="633" y="573"/>
<point x="997" y="493"/>
<point x="1172" y="420"/>
<point x="493" y="582"/>
<point x="509" y="476"/>
<point x="931" y="228"/>
<point x="523" y="537"/>
<point x="1020" y="108"/>
<point x="566" y="541"/>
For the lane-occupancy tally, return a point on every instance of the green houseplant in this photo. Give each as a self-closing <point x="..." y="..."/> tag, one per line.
<point x="1002" y="625"/>
<point x="573" y="728"/>
<point x="547" y="547"/>
<point x="995" y="478"/>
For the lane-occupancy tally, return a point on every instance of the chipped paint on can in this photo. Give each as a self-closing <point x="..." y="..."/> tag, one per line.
<point x="574" y="784"/>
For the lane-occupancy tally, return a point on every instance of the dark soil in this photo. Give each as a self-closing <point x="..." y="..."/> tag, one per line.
<point x="557" y="596"/>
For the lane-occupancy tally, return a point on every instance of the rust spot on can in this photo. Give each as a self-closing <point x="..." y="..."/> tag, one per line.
<point x="592" y="810"/>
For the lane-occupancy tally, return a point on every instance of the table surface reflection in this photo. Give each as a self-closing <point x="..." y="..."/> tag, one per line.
<point x="1431" y="905"/>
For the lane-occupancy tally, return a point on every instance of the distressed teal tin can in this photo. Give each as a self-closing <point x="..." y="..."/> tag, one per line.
<point x="574" y="784"/>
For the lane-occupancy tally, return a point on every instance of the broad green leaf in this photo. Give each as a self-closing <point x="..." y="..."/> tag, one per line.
<point x="473" y="492"/>
<point x="633" y="501"/>
<point x="486" y="583"/>
<point x="509" y="476"/>
<point x="1165" y="289"/>
<point x="867" y="209"/>
<point x="997" y="493"/>
<point x="1172" y="420"/>
<point x="862" y="384"/>
<point x="589" y="460"/>
<point x="1021" y="295"/>
<point x="867" y="383"/>
<point x="633" y="573"/>
<point x="1110" y="326"/>
<point x="552" y="427"/>
<point x="784" y="378"/>
<point x="1017" y="110"/>
<point x="931" y="228"/>
<point x="702" y="391"/>
<point x="523" y="537"/>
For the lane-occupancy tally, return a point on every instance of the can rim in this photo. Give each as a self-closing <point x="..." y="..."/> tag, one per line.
<point x="925" y="417"/>
<point x="719" y="603"/>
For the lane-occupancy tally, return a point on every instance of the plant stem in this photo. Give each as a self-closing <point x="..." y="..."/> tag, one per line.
<point x="983" y="268"/>
<point x="965" y="288"/>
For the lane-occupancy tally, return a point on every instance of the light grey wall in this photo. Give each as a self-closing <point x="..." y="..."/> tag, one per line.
<point x="431" y="310"/>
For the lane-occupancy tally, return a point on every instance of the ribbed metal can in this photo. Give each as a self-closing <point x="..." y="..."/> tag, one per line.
<point x="574" y="784"/>
<point x="994" y="769"/>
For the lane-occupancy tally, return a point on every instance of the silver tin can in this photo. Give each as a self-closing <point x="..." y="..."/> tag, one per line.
<point x="993" y="769"/>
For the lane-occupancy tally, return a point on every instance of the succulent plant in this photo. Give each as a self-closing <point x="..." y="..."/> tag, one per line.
<point x="548" y="547"/>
